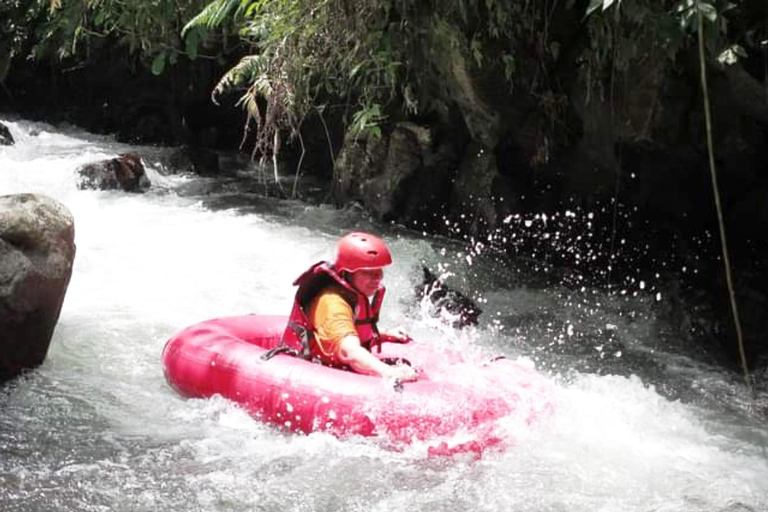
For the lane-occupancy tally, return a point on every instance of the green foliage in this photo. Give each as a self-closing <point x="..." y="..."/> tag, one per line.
<point x="367" y="121"/>
<point x="149" y="29"/>
<point x="625" y="31"/>
<point x="668" y="23"/>
<point x="368" y="56"/>
<point x="215" y="15"/>
<point x="250" y="70"/>
<point x="603" y="5"/>
<point x="17" y="19"/>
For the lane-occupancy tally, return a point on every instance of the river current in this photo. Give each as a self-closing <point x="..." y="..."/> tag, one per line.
<point x="641" y="421"/>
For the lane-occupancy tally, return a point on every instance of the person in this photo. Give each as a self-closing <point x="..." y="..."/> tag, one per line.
<point x="336" y="310"/>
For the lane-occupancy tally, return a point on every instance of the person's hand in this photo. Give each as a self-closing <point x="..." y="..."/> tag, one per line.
<point x="397" y="335"/>
<point x="402" y="373"/>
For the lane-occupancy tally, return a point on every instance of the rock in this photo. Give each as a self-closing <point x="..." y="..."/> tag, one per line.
<point x="191" y="159"/>
<point x="37" y="250"/>
<point x="472" y="202"/>
<point x="449" y="54"/>
<point x="372" y="169"/>
<point x="403" y="175"/>
<point x="6" y="139"/>
<point x="448" y="303"/>
<point x="123" y="173"/>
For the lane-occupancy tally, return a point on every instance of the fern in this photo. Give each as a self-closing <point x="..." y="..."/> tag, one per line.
<point x="250" y="69"/>
<point x="215" y="14"/>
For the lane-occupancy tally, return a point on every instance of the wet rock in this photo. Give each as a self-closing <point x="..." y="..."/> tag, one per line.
<point x="125" y="172"/>
<point x="37" y="251"/>
<point x="752" y="304"/>
<point x="370" y="169"/>
<point x="6" y="139"/>
<point x="472" y="194"/>
<point x="195" y="160"/>
<point x="463" y="84"/>
<point x="402" y="175"/>
<point x="448" y="303"/>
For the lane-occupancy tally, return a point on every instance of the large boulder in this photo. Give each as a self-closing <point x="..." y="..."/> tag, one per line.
<point x="126" y="172"/>
<point x="37" y="250"/>
<point x="404" y="175"/>
<point x="6" y="139"/>
<point x="372" y="169"/>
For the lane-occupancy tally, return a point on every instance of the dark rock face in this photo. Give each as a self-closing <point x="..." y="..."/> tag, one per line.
<point x="6" y="139"/>
<point x="371" y="169"/>
<point x="404" y="174"/>
<point x="37" y="251"/>
<point x="449" y="303"/>
<point x="123" y="173"/>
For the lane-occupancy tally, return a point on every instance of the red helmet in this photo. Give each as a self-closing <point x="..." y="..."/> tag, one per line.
<point x="358" y="250"/>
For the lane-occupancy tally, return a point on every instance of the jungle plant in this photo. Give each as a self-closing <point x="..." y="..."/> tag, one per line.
<point x="16" y="18"/>
<point x="149" y="30"/>
<point x="370" y="60"/>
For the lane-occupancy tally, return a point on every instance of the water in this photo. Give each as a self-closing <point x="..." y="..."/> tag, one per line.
<point x="642" y="420"/>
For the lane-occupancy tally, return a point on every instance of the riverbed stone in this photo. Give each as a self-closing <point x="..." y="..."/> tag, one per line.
<point x="191" y="159"/>
<point x="37" y="251"/>
<point x="6" y="139"/>
<point x="126" y="172"/>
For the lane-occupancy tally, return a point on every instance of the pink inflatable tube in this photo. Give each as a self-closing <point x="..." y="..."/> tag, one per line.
<point x="456" y="405"/>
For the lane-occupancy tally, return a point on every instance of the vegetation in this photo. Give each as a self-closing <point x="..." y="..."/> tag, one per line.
<point x="379" y="59"/>
<point x="63" y="30"/>
<point x="372" y="58"/>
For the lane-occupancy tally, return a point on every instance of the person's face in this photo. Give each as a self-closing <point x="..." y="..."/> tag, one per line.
<point x="367" y="281"/>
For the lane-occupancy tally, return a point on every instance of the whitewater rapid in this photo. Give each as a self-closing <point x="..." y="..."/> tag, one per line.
<point x="638" y="425"/>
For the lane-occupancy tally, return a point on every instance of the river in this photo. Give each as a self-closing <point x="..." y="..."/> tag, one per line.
<point x="641" y="421"/>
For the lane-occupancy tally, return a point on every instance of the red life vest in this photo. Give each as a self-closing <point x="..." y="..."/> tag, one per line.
<point x="299" y="335"/>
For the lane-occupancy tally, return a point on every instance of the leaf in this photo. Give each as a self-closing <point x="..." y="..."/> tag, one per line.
<point x="686" y="19"/>
<point x="191" y="44"/>
<point x="212" y="15"/>
<point x="158" y="64"/>
<point x="357" y="69"/>
<point x="509" y="66"/>
<point x="248" y="70"/>
<point x="366" y="120"/>
<point x="710" y="39"/>
<point x="731" y="55"/>
<point x="604" y="5"/>
<point x="593" y="6"/>
<point x="708" y="11"/>
<point x="475" y="47"/>
<point x="727" y="7"/>
<point x="463" y="11"/>
<point x="684" y="5"/>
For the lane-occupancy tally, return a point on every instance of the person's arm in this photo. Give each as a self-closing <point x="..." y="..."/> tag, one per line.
<point x="362" y="361"/>
<point x="396" y="335"/>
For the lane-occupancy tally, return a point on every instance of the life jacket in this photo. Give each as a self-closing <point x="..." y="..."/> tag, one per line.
<point x="299" y="336"/>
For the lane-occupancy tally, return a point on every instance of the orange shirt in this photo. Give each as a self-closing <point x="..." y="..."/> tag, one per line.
<point x="333" y="319"/>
